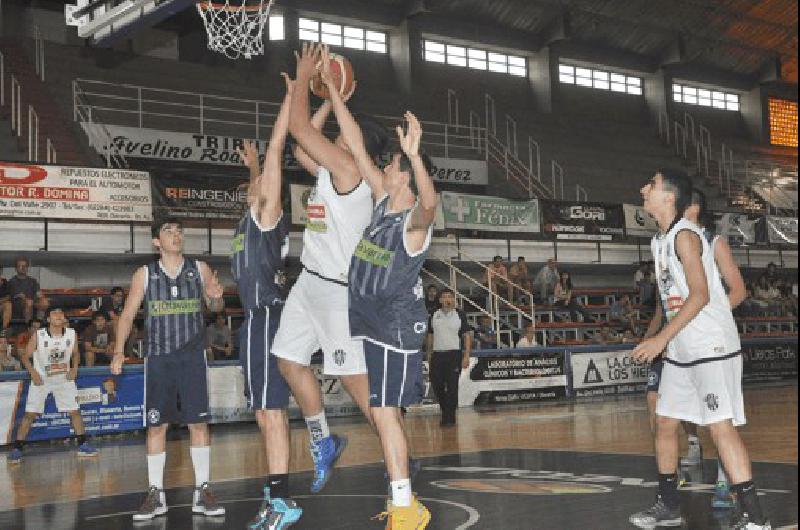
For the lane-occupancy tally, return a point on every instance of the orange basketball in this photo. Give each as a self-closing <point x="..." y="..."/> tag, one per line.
<point x="342" y="72"/>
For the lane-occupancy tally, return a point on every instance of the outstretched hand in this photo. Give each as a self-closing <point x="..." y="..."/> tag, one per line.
<point x="214" y="289"/>
<point x="327" y="76"/>
<point x="289" y="83"/>
<point x="248" y="154"/>
<point x="307" y="60"/>
<point x="410" y="139"/>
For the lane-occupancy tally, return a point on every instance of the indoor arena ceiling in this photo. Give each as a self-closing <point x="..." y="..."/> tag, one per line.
<point x="740" y="36"/>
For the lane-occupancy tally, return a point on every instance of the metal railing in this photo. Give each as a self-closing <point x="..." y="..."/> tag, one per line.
<point x="33" y="135"/>
<point x="38" y="44"/>
<point x="2" y="80"/>
<point x="580" y="193"/>
<point x="557" y="174"/>
<point x="97" y="132"/>
<point x="51" y="155"/>
<point x="16" y="107"/>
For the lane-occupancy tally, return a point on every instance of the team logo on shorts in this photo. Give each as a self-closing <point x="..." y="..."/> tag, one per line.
<point x="420" y="327"/>
<point x="339" y="357"/>
<point x="153" y="416"/>
<point x="652" y="379"/>
<point x="712" y="402"/>
<point x="280" y="278"/>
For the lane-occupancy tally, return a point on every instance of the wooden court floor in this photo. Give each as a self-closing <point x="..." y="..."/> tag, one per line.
<point x="51" y="474"/>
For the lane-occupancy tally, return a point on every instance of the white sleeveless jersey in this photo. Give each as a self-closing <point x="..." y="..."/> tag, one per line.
<point x="712" y="333"/>
<point x="334" y="227"/>
<point x="53" y="354"/>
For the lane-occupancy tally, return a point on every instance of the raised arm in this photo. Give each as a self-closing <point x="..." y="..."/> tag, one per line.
<point x="341" y="165"/>
<point x="351" y="132"/>
<point x="125" y="320"/>
<point x="730" y="273"/>
<point x="212" y="288"/>
<point x="425" y="211"/>
<point x="317" y="122"/>
<point x="249" y="157"/>
<point x="269" y="184"/>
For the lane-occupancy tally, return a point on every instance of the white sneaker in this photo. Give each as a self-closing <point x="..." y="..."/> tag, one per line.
<point x="152" y="505"/>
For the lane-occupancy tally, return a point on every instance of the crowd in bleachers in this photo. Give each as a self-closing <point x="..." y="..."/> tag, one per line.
<point x="563" y="312"/>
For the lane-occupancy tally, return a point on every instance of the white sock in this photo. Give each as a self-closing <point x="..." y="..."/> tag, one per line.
<point x="155" y="472"/>
<point x="200" y="461"/>
<point x="721" y="476"/>
<point x="693" y="440"/>
<point x="401" y="492"/>
<point x="318" y="427"/>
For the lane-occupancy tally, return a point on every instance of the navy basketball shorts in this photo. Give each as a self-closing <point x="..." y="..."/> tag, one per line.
<point x="176" y="389"/>
<point x="654" y="370"/>
<point x="395" y="376"/>
<point x="264" y="386"/>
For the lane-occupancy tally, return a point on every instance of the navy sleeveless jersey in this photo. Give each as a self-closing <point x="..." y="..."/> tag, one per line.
<point x="257" y="262"/>
<point x="174" y="310"/>
<point x="386" y="295"/>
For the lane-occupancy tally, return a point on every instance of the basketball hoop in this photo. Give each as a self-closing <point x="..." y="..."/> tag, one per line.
<point x="235" y="30"/>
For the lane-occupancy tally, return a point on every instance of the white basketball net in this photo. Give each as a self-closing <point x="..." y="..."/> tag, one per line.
<point x="235" y="27"/>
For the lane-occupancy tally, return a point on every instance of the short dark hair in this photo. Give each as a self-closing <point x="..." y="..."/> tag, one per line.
<point x="22" y="258"/>
<point x="446" y="290"/>
<point x="376" y="136"/>
<point x="405" y="165"/>
<point x="521" y="258"/>
<point x="497" y="258"/>
<point x="99" y="314"/>
<point x="678" y="182"/>
<point x="159" y="222"/>
<point x="51" y="310"/>
<point x="115" y="290"/>
<point x="31" y="321"/>
<point x="705" y="217"/>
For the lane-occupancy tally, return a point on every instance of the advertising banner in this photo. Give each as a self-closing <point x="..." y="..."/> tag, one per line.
<point x="738" y="228"/>
<point x="109" y="403"/>
<point x="782" y="230"/>
<point x="63" y="192"/>
<point x="200" y="197"/>
<point x="513" y="378"/>
<point x="769" y="359"/>
<point x="638" y="223"/>
<point x="455" y="171"/>
<point x="582" y="221"/>
<point x="607" y="372"/>
<point x="491" y="214"/>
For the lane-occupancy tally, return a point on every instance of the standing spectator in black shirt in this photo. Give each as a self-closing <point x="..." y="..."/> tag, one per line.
<point x="431" y="299"/>
<point x="22" y="291"/>
<point x="449" y="346"/>
<point x="98" y="340"/>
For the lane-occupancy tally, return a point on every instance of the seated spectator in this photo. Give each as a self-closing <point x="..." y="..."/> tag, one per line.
<point x="218" y="338"/>
<point x="485" y="335"/>
<point x="8" y="359"/>
<point x="23" y="338"/>
<point x="518" y="274"/>
<point x="767" y="295"/>
<point x="528" y="340"/>
<point x="622" y="312"/>
<point x="793" y="299"/>
<point x="431" y="299"/>
<point x="606" y="335"/>
<point x="563" y="298"/>
<point x="629" y="338"/>
<point x="98" y="340"/>
<point x="770" y="273"/>
<point x="545" y="282"/>
<point x="749" y="306"/>
<point x="22" y="291"/>
<point x="496" y="279"/>
<point x="114" y="304"/>
<point x="41" y="307"/>
<point x="5" y="302"/>
<point x="645" y="282"/>
<point x="134" y="346"/>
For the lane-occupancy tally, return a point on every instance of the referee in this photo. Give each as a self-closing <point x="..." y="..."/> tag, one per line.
<point x="446" y="358"/>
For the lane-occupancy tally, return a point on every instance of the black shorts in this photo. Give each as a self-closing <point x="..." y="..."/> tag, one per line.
<point x="264" y="386"/>
<point x="176" y="389"/>
<point x="395" y="377"/>
<point x="654" y="370"/>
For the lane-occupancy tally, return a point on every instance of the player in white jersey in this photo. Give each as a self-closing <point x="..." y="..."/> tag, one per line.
<point x="702" y="378"/>
<point x="316" y="312"/>
<point x="52" y="362"/>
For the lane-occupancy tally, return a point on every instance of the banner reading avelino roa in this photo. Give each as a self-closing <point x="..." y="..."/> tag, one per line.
<point x="491" y="214"/>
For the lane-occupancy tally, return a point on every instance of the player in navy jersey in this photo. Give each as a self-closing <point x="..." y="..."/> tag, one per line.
<point x="173" y="290"/>
<point x="260" y="246"/>
<point x="386" y="306"/>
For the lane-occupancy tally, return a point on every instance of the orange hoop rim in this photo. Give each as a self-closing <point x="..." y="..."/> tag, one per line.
<point x="206" y="5"/>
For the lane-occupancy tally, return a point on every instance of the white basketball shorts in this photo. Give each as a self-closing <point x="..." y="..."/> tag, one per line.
<point x="703" y="393"/>
<point x="64" y="391"/>
<point x="316" y="316"/>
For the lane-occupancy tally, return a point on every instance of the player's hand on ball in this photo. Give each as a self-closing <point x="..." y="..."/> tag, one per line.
<point x="36" y="379"/>
<point x="307" y="61"/>
<point x="116" y="363"/>
<point x="410" y="139"/>
<point x="649" y="349"/>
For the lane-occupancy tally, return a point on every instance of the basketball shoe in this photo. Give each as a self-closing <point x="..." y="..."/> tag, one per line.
<point x="744" y="523"/>
<point x="205" y="503"/>
<point x="325" y="453"/>
<point x="152" y="505"/>
<point x="414" y="517"/>
<point x="657" y="515"/>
